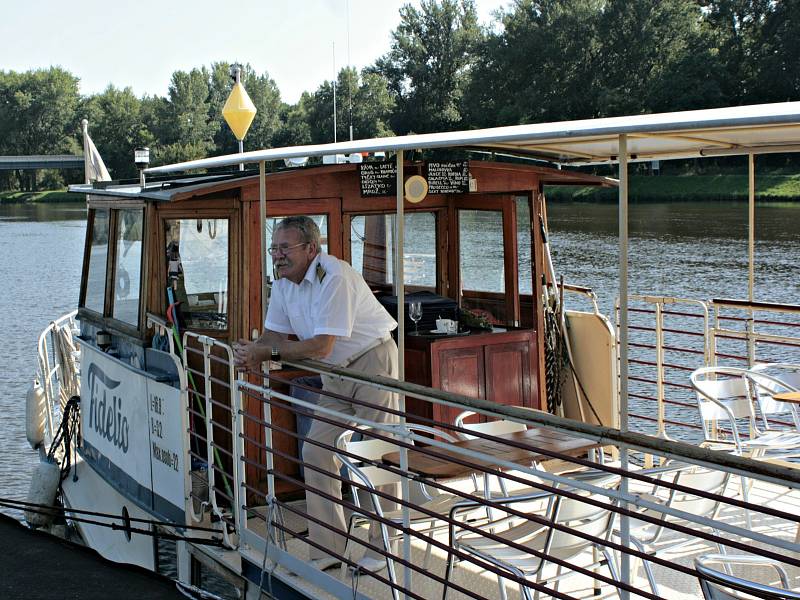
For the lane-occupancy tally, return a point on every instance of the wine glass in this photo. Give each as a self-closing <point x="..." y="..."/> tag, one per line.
<point x="415" y="314"/>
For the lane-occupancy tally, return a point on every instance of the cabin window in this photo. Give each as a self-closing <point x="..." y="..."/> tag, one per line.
<point x="481" y="250"/>
<point x="197" y="270"/>
<point x="128" y="266"/>
<point x="372" y="249"/>
<point x="524" y="245"/>
<point x="272" y="222"/>
<point x="95" y="292"/>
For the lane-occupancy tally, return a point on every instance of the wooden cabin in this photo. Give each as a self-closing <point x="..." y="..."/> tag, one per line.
<point x="197" y="241"/>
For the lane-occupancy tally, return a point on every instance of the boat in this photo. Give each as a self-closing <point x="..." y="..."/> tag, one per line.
<point x="175" y="439"/>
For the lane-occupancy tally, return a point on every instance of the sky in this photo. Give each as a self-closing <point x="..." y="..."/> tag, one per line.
<point x="140" y="44"/>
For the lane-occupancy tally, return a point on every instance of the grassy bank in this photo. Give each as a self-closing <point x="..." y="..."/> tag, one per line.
<point x="683" y="188"/>
<point x="51" y="197"/>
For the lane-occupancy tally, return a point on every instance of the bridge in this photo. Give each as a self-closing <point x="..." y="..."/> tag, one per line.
<point x="41" y="161"/>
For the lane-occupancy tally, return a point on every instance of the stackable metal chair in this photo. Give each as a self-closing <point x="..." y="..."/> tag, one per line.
<point x="721" y="585"/>
<point x="769" y="379"/>
<point x="564" y="516"/>
<point x="497" y="427"/>
<point x="723" y="394"/>
<point x="649" y="537"/>
<point x="365" y="471"/>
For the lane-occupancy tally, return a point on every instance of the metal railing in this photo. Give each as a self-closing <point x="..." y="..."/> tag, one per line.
<point x="271" y="526"/>
<point x="667" y="343"/>
<point x="52" y="372"/>
<point x="213" y="438"/>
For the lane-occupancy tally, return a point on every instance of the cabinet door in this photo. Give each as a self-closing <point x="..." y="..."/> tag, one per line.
<point x="508" y="373"/>
<point x="461" y="371"/>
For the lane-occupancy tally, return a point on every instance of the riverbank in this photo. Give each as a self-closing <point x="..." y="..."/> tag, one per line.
<point x="688" y="188"/>
<point x="46" y="197"/>
<point x="643" y="188"/>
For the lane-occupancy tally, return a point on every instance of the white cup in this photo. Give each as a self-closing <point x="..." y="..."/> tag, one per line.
<point x="446" y="326"/>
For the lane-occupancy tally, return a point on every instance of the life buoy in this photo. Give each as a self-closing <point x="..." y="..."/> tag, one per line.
<point x="123" y="283"/>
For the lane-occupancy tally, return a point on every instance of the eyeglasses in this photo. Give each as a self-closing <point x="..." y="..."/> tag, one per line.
<point x="283" y="250"/>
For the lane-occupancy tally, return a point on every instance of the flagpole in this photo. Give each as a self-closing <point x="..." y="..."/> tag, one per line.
<point x="85" y="129"/>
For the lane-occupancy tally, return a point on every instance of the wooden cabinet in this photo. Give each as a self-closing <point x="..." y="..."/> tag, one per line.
<point x="493" y="366"/>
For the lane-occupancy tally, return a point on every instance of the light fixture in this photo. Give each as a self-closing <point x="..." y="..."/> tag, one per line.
<point x="141" y="158"/>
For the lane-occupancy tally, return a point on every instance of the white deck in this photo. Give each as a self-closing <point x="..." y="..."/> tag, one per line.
<point x="672" y="584"/>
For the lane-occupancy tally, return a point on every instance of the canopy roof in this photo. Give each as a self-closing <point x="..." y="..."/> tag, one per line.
<point x="689" y="134"/>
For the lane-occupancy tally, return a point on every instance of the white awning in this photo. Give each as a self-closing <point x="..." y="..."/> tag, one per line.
<point x="690" y="134"/>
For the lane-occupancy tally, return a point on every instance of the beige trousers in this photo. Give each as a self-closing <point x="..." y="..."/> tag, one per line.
<point x="381" y="360"/>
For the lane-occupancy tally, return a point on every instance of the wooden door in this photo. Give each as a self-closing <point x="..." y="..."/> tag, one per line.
<point x="508" y="373"/>
<point x="458" y="370"/>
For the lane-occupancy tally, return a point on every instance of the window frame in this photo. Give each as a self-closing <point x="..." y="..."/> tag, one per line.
<point x="440" y="226"/>
<point x="176" y="211"/>
<point x="105" y="320"/>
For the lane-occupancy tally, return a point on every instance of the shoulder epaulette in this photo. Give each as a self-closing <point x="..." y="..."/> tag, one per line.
<point x="320" y="272"/>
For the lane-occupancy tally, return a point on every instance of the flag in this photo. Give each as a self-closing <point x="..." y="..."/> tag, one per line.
<point x="93" y="164"/>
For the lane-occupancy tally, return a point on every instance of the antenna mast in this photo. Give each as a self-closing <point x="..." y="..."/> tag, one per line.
<point x="350" y="85"/>
<point x="334" y="92"/>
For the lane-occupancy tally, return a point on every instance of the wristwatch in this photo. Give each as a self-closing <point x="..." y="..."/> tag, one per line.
<point x="275" y="354"/>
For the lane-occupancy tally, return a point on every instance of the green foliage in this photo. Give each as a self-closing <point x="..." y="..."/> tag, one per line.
<point x="428" y="66"/>
<point x="364" y="102"/>
<point x="537" y="60"/>
<point x="117" y="126"/>
<point x="677" y="188"/>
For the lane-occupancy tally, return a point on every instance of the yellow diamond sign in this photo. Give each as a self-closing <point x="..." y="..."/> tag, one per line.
<point x="239" y="111"/>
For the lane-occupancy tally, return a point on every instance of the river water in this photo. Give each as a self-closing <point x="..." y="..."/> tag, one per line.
<point x="691" y="249"/>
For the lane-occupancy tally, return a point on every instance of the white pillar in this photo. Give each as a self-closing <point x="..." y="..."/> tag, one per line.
<point x="625" y="562"/>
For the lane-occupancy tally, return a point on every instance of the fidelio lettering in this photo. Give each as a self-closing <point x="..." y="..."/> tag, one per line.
<point x="105" y="415"/>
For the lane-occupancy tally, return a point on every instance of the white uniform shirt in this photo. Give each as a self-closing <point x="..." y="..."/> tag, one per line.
<point x="333" y="300"/>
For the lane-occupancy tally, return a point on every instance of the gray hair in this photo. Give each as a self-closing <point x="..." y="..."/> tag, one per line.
<point x="305" y="226"/>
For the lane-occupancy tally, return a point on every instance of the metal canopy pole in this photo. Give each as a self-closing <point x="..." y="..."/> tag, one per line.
<point x="262" y="203"/>
<point x="400" y="291"/>
<point x="751" y="251"/>
<point x="623" y="346"/>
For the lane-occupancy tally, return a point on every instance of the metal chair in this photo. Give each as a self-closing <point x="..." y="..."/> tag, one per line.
<point x="724" y="394"/>
<point x="646" y="535"/>
<point x="721" y="585"/>
<point x="498" y="427"/>
<point x="369" y="504"/>
<point x="564" y="516"/>
<point x="769" y="379"/>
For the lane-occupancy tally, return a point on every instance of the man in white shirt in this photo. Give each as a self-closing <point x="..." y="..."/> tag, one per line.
<point x="336" y="318"/>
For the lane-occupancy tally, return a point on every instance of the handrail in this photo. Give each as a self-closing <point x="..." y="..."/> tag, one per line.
<point x="260" y="547"/>
<point x="604" y="435"/>
<point x="207" y="343"/>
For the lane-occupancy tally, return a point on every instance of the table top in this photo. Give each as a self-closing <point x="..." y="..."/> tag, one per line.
<point x="788" y="397"/>
<point x="442" y="466"/>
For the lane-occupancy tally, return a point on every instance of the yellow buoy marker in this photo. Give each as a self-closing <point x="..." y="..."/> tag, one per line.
<point x="239" y="111"/>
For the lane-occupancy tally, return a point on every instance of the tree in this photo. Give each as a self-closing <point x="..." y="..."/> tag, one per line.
<point x="294" y="129"/>
<point x="187" y="128"/>
<point x="646" y="48"/>
<point x="37" y="113"/>
<point x="539" y="64"/>
<point x="365" y="103"/>
<point x="737" y="29"/>
<point x="777" y="51"/>
<point x="429" y="63"/>
<point x="117" y="127"/>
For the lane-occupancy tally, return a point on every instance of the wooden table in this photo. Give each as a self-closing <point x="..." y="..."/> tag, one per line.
<point x="793" y="397"/>
<point x="443" y="465"/>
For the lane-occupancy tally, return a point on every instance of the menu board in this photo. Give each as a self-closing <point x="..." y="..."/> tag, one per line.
<point x="448" y="177"/>
<point x="378" y="179"/>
